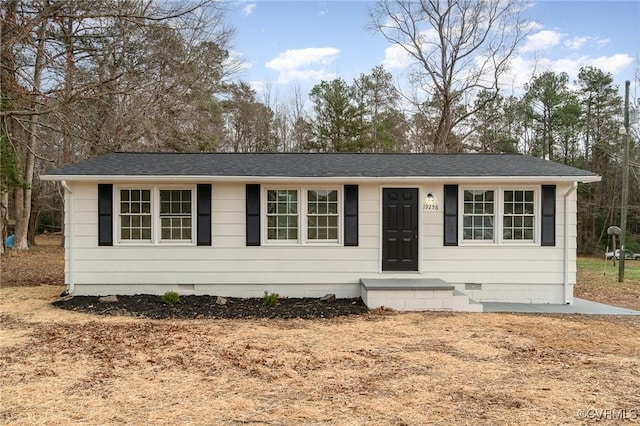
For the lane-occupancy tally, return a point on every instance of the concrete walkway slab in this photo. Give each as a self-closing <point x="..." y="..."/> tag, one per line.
<point x="580" y="306"/>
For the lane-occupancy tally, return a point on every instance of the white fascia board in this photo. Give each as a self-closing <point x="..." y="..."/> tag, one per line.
<point x="452" y="179"/>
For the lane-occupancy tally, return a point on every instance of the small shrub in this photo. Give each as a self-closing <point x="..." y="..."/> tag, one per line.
<point x="170" y="297"/>
<point x="270" y="299"/>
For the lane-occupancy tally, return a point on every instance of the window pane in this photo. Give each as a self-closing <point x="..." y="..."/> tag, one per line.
<point x="186" y="233"/>
<point x="135" y="208"/>
<point x="146" y="221"/>
<point x="333" y="196"/>
<point x="135" y="195"/>
<point x="135" y="234"/>
<point x="146" y="195"/>
<point x="282" y="213"/>
<point x="519" y="217"/>
<point x="333" y="233"/>
<point x="311" y="195"/>
<point x="124" y="208"/>
<point x="333" y="221"/>
<point x="125" y="234"/>
<point x="528" y="208"/>
<point x="313" y="234"/>
<point x="124" y="195"/>
<point x="166" y="233"/>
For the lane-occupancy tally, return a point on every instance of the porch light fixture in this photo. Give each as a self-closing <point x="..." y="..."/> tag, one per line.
<point x="430" y="198"/>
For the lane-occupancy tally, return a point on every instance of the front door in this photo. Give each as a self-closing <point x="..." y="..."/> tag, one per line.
<point x="399" y="229"/>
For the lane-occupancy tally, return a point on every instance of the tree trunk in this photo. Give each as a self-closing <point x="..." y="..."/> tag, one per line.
<point x="23" y="195"/>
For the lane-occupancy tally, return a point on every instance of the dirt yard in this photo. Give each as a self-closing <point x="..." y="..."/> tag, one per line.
<point x="380" y="368"/>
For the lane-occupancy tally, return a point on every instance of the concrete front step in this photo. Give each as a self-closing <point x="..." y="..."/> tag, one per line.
<point x="415" y="294"/>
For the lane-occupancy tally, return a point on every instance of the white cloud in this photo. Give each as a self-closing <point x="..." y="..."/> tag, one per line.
<point x="542" y="40"/>
<point x="248" y="9"/>
<point x="395" y="57"/>
<point x="523" y="68"/>
<point x="576" y="43"/>
<point x="304" y="64"/>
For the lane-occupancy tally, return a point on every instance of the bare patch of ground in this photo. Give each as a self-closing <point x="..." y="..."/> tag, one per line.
<point x="64" y="367"/>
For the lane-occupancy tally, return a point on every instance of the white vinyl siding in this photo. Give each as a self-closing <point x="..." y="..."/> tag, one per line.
<point x="508" y="272"/>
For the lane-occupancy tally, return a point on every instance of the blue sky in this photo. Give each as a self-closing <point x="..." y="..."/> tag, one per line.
<point x="284" y="44"/>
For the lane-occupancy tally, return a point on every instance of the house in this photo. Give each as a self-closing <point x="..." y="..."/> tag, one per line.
<point x="406" y="231"/>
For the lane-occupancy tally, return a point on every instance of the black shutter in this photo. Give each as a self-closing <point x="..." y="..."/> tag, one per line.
<point x="204" y="214"/>
<point x="548" y="208"/>
<point x="105" y="214"/>
<point x="351" y="215"/>
<point x="253" y="215"/>
<point x="450" y="215"/>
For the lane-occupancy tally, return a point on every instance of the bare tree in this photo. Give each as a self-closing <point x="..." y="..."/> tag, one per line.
<point x="458" y="47"/>
<point x="83" y="77"/>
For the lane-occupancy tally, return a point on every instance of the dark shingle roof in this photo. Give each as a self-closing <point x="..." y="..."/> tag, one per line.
<point x="317" y="165"/>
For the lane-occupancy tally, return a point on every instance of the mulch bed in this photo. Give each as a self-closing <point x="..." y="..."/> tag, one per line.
<point x="197" y="307"/>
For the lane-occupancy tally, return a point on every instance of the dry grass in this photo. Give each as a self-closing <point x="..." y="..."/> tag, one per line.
<point x="600" y="284"/>
<point x="61" y="367"/>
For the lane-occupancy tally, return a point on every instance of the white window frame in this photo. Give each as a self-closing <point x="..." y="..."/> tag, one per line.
<point x="155" y="216"/>
<point x="498" y="212"/>
<point x="302" y="216"/>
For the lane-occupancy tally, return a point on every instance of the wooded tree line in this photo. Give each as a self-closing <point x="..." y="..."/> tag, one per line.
<point x="83" y="78"/>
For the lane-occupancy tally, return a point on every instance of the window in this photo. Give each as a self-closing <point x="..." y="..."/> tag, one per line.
<point x="519" y="215"/>
<point x="499" y="215"/>
<point x="478" y="218"/>
<point x="154" y="215"/>
<point x="322" y="215"/>
<point x="305" y="215"/>
<point x="175" y="215"/>
<point x="282" y="214"/>
<point x="135" y="215"/>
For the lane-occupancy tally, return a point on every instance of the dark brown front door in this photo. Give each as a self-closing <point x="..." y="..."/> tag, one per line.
<point x="399" y="229"/>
